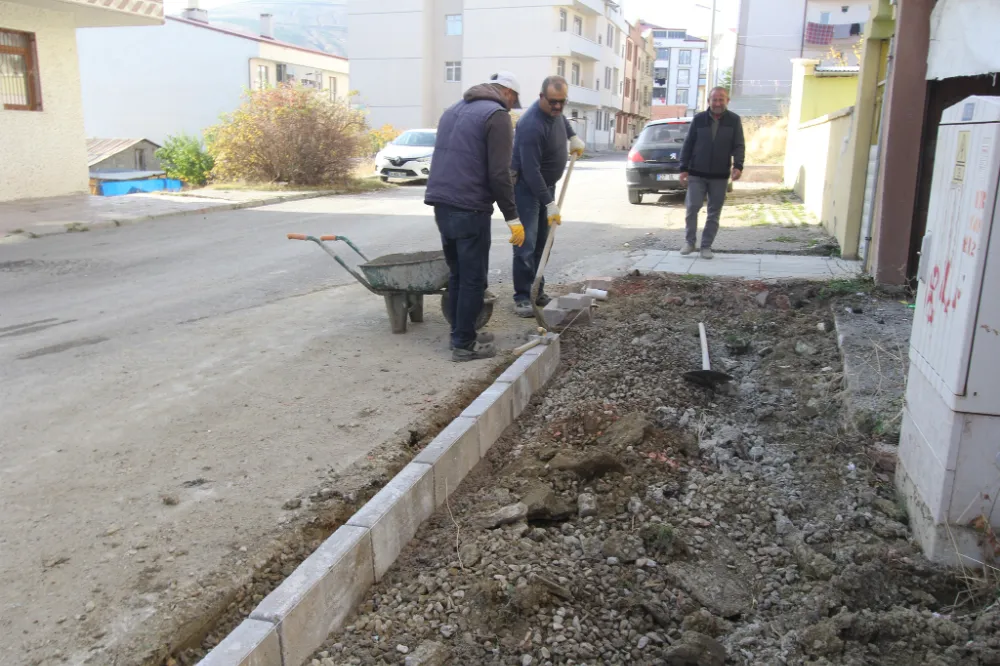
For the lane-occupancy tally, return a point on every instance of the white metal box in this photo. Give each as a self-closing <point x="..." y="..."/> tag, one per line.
<point x="956" y="329"/>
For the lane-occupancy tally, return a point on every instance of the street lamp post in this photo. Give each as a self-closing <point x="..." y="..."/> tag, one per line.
<point x="710" y="70"/>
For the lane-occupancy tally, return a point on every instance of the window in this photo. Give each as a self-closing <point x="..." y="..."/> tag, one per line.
<point x="563" y="18"/>
<point x="561" y="67"/>
<point x="598" y="124"/>
<point x="621" y="87"/>
<point x="611" y="35"/>
<point x="607" y="77"/>
<point x="663" y="54"/>
<point x="332" y="88"/>
<point x="677" y="34"/>
<point x="263" y="77"/>
<point x="659" y="34"/>
<point x="453" y="70"/>
<point x="628" y="89"/>
<point x="685" y="58"/>
<point x="575" y="76"/>
<point x="20" y="87"/>
<point x="578" y="25"/>
<point x="682" y="96"/>
<point x="415" y="138"/>
<point x="610" y="121"/>
<point x="281" y="73"/>
<point x="824" y="18"/>
<point x="140" y="159"/>
<point x="628" y="51"/>
<point x="844" y="9"/>
<point x="453" y="24"/>
<point x="684" y="77"/>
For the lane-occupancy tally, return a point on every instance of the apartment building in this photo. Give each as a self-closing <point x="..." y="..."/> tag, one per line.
<point x="773" y="32"/>
<point x="440" y="48"/>
<point x="637" y="99"/>
<point x="679" y="69"/>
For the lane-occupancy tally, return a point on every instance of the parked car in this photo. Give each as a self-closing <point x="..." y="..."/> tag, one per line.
<point x="407" y="157"/>
<point x="654" y="162"/>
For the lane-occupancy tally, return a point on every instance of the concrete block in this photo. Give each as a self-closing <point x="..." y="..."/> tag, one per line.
<point x="522" y="375"/>
<point x="547" y="359"/>
<point x="396" y="512"/>
<point x="453" y="454"/>
<point x="494" y="411"/>
<point x="603" y="283"/>
<point x="554" y="315"/>
<point x="579" y="317"/>
<point x="253" y="643"/>
<point x="575" y="301"/>
<point x="320" y="594"/>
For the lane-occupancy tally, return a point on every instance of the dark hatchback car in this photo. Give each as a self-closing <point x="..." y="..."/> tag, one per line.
<point x="655" y="159"/>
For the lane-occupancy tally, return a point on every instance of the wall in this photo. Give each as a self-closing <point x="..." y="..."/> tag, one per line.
<point x="43" y="153"/>
<point x="770" y="34"/>
<point x="140" y="81"/>
<point x="857" y="11"/>
<point x="125" y="160"/>
<point x="303" y="60"/>
<point x="446" y="48"/>
<point x="826" y="94"/>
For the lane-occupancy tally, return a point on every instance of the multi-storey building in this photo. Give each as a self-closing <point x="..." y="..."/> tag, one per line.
<point x="679" y="70"/>
<point x="440" y="48"/>
<point x="639" y="56"/>
<point x="773" y="32"/>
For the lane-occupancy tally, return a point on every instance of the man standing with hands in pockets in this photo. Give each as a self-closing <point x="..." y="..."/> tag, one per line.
<point x="540" y="154"/>
<point x="713" y="153"/>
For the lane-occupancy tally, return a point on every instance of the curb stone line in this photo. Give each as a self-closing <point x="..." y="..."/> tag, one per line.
<point x="294" y="620"/>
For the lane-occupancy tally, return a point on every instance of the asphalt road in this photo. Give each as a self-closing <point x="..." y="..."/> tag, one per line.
<point x="210" y="360"/>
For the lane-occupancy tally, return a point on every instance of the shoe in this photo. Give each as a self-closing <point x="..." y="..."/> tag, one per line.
<point x="477" y="353"/>
<point x="542" y="300"/>
<point x="706" y="253"/>
<point x="482" y="338"/>
<point x="523" y="309"/>
<point x="688" y="249"/>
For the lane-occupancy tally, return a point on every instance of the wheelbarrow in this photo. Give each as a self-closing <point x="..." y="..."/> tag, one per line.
<point x="403" y="280"/>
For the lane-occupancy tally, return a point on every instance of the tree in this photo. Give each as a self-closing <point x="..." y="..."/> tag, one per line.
<point x="183" y="157"/>
<point x="380" y="138"/>
<point x="288" y="134"/>
<point x="726" y="79"/>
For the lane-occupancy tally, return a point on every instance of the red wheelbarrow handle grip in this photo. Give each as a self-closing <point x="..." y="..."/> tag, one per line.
<point x="328" y="238"/>
<point x="297" y="237"/>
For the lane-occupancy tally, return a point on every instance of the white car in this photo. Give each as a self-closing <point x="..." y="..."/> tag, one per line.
<point x="407" y="157"/>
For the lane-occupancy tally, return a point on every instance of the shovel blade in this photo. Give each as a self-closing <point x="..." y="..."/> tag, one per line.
<point x="707" y="378"/>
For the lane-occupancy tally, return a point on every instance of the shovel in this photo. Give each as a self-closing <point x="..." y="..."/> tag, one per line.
<point x="706" y="376"/>
<point x="536" y="286"/>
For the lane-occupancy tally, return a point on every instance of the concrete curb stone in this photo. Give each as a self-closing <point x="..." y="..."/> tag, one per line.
<point x="253" y="643"/>
<point x="453" y="454"/>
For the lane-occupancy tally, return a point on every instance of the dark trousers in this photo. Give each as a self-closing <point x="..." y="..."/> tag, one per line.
<point x="465" y="237"/>
<point x="698" y="189"/>
<point x="535" y="219"/>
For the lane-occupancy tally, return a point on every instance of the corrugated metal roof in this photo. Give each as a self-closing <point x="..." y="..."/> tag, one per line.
<point x="99" y="150"/>
<point x="838" y="69"/>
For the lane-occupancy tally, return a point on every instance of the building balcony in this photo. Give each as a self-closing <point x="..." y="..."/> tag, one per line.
<point x="585" y="6"/>
<point x="570" y="44"/>
<point x="584" y="96"/>
<point x="101" y="14"/>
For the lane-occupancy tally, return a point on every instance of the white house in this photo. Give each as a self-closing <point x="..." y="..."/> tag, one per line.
<point x="43" y="148"/>
<point x="773" y="32"/>
<point x="439" y="48"/>
<point x="180" y="77"/>
<point x="680" y="68"/>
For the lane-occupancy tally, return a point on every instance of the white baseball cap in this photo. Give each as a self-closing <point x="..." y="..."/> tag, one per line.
<point x="509" y="81"/>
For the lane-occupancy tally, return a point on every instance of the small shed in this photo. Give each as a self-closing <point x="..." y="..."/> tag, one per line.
<point x="126" y="166"/>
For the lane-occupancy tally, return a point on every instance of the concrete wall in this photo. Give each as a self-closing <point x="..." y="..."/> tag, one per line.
<point x="770" y="35"/>
<point x="43" y="153"/>
<point x="142" y="82"/>
<point x="446" y="48"/>
<point x="825" y="94"/>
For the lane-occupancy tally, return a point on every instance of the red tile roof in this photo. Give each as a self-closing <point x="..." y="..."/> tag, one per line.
<point x="256" y="38"/>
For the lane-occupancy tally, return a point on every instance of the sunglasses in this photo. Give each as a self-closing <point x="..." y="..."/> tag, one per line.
<point x="556" y="102"/>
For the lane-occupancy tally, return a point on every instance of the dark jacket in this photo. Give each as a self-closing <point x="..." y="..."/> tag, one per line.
<point x="701" y="156"/>
<point x="541" y="151"/>
<point x="472" y="152"/>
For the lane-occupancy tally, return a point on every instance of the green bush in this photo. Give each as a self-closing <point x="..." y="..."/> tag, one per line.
<point x="184" y="158"/>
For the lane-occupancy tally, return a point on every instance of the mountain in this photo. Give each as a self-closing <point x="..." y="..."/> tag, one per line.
<point x="315" y="24"/>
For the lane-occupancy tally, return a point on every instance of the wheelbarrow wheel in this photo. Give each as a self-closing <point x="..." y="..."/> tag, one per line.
<point x="484" y="314"/>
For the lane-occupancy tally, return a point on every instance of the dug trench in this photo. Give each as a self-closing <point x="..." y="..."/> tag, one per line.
<point x="630" y="517"/>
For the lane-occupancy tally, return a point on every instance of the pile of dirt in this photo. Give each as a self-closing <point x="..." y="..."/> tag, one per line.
<point x="630" y="517"/>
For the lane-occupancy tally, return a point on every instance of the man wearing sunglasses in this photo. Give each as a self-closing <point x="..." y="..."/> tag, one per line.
<point x="540" y="155"/>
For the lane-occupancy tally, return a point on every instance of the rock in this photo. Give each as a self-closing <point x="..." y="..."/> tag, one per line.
<point x="884" y="456"/>
<point x="447" y="630"/>
<point x="803" y="348"/>
<point x="756" y="453"/>
<point x="627" y="431"/>
<point x="821" y="639"/>
<point x="621" y="546"/>
<point x="170" y="500"/>
<point x="526" y="660"/>
<point x="428" y="653"/>
<point x="673" y="300"/>
<point x="696" y="650"/>
<point x="643" y="642"/>
<point x="504" y="516"/>
<point x="586" y="505"/>
<point x="782" y="302"/>
<point x="544" y="504"/>
<point x="703" y="622"/>
<point x="402" y="649"/>
<point x="762" y="298"/>
<point x="291" y="504"/>
<point x="889" y="508"/>
<point x="634" y="505"/>
<point x="469" y="554"/>
<point x="815" y="565"/>
<point x="662" y="539"/>
<point x="591" y="467"/>
<point x="714" y="586"/>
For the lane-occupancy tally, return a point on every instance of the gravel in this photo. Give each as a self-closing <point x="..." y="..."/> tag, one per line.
<point x="632" y="518"/>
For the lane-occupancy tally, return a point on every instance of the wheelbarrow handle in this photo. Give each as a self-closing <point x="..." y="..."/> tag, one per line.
<point x="297" y="237"/>
<point x="319" y="241"/>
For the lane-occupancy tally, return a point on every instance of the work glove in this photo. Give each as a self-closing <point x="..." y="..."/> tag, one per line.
<point x="552" y="210"/>
<point x="516" y="232"/>
<point x="576" y="146"/>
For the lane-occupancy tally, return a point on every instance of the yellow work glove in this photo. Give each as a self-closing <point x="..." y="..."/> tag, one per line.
<point x="516" y="232"/>
<point x="552" y="210"/>
<point x="576" y="146"/>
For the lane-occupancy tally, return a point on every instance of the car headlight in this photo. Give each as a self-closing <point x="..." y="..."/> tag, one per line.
<point x="423" y="159"/>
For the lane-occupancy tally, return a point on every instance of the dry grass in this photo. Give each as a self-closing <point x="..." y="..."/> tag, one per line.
<point x="354" y="185"/>
<point x="765" y="138"/>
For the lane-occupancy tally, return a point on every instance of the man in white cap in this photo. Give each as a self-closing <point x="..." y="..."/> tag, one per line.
<point x="472" y="156"/>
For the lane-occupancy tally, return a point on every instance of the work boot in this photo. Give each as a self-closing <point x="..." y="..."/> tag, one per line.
<point x="542" y="300"/>
<point x="478" y="352"/>
<point x="482" y="338"/>
<point x="706" y="253"/>
<point x="523" y="309"/>
<point x="688" y="249"/>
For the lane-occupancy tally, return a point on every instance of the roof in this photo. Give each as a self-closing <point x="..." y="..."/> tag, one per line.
<point x="99" y="150"/>
<point x="256" y="38"/>
<point x="838" y="69"/>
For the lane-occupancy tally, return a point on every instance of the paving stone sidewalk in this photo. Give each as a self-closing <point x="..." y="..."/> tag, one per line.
<point x="751" y="266"/>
